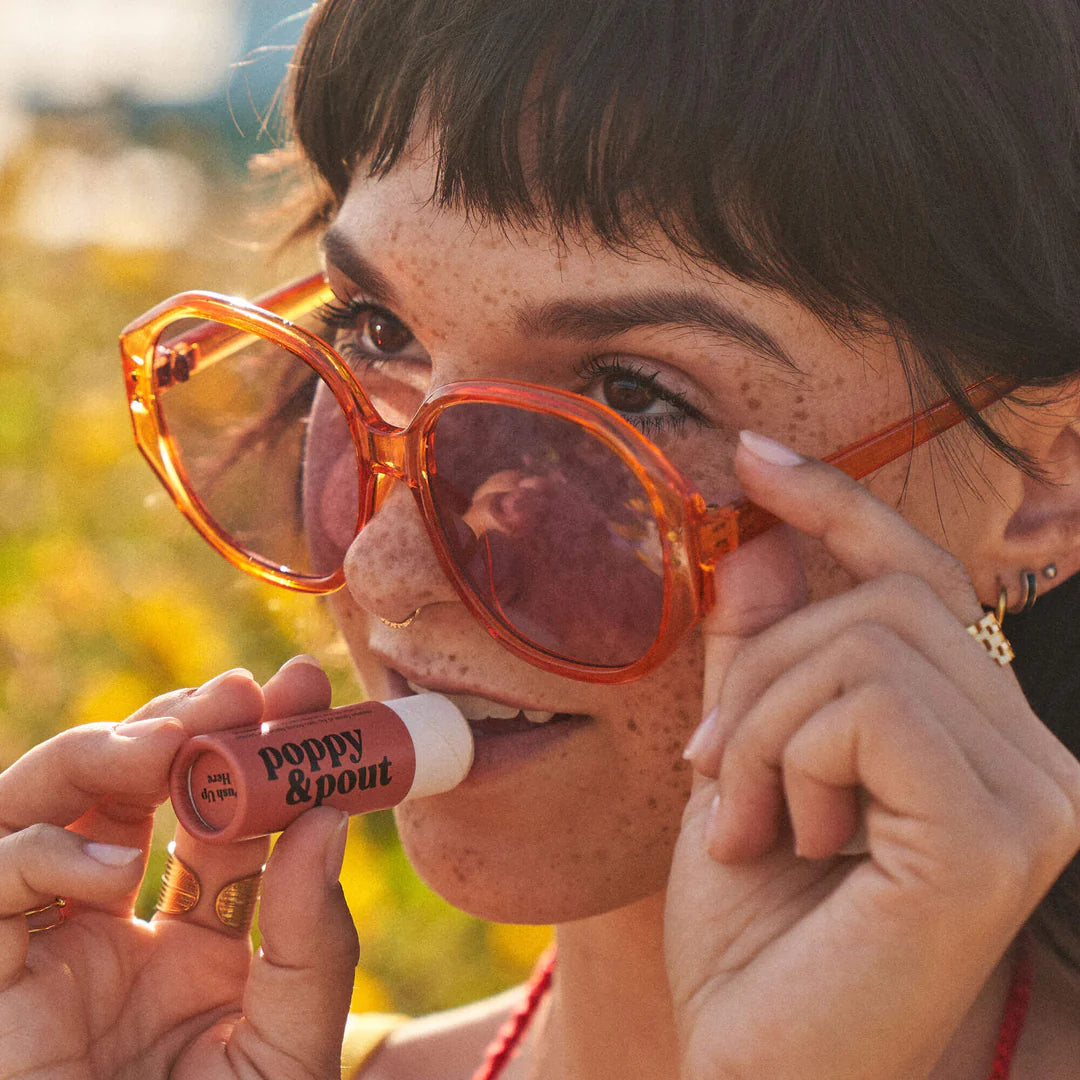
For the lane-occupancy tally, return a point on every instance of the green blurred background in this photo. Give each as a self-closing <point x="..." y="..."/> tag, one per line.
<point x="125" y="126"/>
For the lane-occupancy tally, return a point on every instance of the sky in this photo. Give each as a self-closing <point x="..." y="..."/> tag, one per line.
<point x="222" y="59"/>
<point x="82" y="52"/>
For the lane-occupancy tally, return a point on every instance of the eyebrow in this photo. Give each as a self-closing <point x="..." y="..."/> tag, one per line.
<point x="607" y="317"/>
<point x="338" y="251"/>
<point x="593" y="320"/>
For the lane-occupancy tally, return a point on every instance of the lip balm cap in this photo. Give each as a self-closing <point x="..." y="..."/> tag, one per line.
<point x="442" y="741"/>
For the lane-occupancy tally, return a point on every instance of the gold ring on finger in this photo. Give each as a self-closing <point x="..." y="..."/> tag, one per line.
<point x="47" y="917"/>
<point x="181" y="892"/>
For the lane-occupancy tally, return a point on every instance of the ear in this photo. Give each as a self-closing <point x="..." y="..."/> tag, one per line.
<point x="1043" y="527"/>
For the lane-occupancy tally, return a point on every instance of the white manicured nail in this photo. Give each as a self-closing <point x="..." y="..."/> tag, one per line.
<point x="769" y="450"/>
<point x="701" y="738"/>
<point x="111" y="854"/>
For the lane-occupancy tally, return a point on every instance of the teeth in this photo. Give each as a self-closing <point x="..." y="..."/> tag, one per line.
<point x="475" y="707"/>
<point x="537" y="716"/>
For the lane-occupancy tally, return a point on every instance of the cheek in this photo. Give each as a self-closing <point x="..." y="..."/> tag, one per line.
<point x="331" y="485"/>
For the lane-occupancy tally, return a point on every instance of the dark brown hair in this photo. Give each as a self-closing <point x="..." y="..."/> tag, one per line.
<point x="912" y="164"/>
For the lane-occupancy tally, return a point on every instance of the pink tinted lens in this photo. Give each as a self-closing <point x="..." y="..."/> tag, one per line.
<point x="551" y="529"/>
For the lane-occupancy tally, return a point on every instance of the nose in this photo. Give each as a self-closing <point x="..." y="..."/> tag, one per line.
<point x="391" y="568"/>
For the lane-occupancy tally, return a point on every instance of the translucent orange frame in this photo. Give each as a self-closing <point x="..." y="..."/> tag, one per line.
<point x="693" y="534"/>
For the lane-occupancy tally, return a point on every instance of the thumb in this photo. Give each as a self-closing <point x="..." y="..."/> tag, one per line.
<point x="301" y="980"/>
<point x="756" y="585"/>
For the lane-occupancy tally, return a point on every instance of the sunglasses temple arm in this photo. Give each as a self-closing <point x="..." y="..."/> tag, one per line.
<point x="724" y="528"/>
<point x="212" y="342"/>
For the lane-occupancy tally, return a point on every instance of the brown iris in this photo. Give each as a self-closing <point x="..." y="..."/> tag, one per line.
<point x="627" y="394"/>
<point x="387" y="333"/>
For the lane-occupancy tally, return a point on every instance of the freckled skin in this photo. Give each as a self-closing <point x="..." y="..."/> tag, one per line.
<point x="589" y="826"/>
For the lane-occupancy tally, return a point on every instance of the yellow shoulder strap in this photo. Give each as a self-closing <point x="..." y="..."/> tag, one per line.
<point x="364" y="1034"/>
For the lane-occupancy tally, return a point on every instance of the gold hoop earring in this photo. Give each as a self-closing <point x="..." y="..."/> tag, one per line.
<point x="1029" y="593"/>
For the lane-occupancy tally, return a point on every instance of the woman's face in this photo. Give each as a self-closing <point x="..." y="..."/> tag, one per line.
<point x="578" y="815"/>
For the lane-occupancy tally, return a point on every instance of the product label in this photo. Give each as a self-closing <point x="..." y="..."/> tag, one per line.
<point x="337" y="757"/>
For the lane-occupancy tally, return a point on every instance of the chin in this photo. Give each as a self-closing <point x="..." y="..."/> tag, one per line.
<point x="493" y="874"/>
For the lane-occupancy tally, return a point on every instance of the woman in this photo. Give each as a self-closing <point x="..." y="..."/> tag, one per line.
<point x="808" y="221"/>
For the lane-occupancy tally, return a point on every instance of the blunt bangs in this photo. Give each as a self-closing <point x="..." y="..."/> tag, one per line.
<point x="912" y="163"/>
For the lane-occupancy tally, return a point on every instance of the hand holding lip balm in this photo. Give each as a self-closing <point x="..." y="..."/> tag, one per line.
<point x="237" y="784"/>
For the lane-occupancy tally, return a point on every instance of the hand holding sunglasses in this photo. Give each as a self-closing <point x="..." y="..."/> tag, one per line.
<point x="867" y="707"/>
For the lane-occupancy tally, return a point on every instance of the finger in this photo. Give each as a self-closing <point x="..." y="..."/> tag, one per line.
<point x="301" y="981"/>
<point x="866" y="668"/>
<point x="756" y="585"/>
<point x="59" y="780"/>
<point x="229" y="700"/>
<point x="232" y="699"/>
<point x="937" y="816"/>
<point x="299" y="686"/>
<point x="865" y="536"/>
<point x="753" y="776"/>
<point x="911" y="610"/>
<point x="44" y="861"/>
<point x="903" y="602"/>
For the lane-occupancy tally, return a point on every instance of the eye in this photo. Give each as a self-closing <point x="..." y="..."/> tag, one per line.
<point x="637" y="394"/>
<point x="369" y="334"/>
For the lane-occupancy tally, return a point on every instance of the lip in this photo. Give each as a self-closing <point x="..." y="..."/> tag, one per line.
<point x="399" y="685"/>
<point x="497" y="755"/>
<point x="499" y="752"/>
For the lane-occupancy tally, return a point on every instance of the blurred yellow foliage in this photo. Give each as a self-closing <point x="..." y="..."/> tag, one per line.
<point x="180" y="631"/>
<point x="517" y="946"/>
<point x="369" y="994"/>
<point x="108" y="598"/>
<point x="109" y="697"/>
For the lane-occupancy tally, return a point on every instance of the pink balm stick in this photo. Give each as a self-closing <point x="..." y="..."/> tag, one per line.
<point x="233" y="785"/>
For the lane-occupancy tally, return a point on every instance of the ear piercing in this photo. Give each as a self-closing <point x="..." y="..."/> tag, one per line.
<point x="1029" y="591"/>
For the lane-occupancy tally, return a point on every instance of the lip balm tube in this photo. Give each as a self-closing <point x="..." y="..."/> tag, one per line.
<point x="233" y="785"/>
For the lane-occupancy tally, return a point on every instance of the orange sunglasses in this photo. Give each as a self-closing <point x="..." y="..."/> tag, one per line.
<point x="564" y="530"/>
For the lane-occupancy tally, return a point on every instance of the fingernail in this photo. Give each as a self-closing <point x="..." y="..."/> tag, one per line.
<point x="335" y="849"/>
<point x="213" y="684"/>
<point x="302" y="659"/>
<point x="701" y="738"/>
<point x="111" y="854"/>
<point x="769" y="450"/>
<point x="140" y="729"/>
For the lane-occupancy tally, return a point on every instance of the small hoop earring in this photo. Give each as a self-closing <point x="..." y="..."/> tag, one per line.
<point x="1029" y="593"/>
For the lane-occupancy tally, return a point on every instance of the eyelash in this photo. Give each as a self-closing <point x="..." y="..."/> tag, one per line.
<point x="339" y="314"/>
<point x="605" y="365"/>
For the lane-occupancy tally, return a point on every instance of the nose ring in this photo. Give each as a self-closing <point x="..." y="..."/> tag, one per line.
<point x="399" y="625"/>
